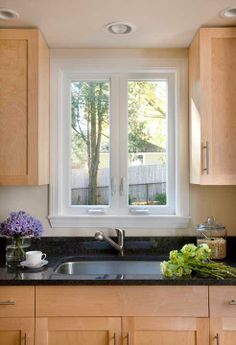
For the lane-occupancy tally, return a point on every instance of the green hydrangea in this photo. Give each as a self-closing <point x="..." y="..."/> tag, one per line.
<point x="195" y="259"/>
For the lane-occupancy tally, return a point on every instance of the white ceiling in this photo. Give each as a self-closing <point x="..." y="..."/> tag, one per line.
<point x="79" y="23"/>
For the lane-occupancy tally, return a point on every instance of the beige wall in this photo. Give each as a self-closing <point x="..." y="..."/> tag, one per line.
<point x="218" y="201"/>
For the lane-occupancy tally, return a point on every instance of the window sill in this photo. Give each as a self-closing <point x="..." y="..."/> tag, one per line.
<point x="126" y="221"/>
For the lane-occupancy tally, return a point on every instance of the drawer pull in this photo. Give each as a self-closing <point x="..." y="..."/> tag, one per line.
<point x="115" y="339"/>
<point x="128" y="339"/>
<point x="232" y="302"/>
<point x="217" y="339"/>
<point x="26" y="339"/>
<point x="7" y="302"/>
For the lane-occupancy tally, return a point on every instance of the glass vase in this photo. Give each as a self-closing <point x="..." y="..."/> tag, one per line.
<point x="15" y="250"/>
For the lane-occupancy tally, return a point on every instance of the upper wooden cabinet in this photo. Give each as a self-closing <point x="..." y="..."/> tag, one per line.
<point x="212" y="103"/>
<point x="24" y="108"/>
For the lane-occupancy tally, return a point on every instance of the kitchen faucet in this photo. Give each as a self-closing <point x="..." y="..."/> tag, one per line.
<point x="119" y="245"/>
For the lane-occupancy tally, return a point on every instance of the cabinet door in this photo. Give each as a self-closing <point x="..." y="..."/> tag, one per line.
<point x="16" y="331"/>
<point x="212" y="107"/>
<point x="218" y="82"/>
<point x="24" y="110"/>
<point x="78" y="331"/>
<point x="223" y="331"/>
<point x="13" y="110"/>
<point x="165" y="331"/>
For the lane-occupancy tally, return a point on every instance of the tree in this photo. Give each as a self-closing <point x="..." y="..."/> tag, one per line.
<point x="90" y="104"/>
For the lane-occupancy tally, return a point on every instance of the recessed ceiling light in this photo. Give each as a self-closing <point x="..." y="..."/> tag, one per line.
<point x="120" y="28"/>
<point x="7" y="14"/>
<point x="229" y="12"/>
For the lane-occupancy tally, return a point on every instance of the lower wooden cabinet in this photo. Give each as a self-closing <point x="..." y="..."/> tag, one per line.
<point x="165" y="331"/>
<point x="122" y="331"/>
<point x="16" y="331"/>
<point x="78" y="331"/>
<point x="223" y="331"/>
<point x="222" y="315"/>
<point x="30" y="316"/>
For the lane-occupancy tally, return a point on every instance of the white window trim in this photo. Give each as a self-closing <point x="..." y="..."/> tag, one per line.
<point x="61" y="65"/>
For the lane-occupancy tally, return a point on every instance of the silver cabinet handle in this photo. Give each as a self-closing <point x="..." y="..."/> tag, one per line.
<point x="26" y="339"/>
<point x="217" y="339"/>
<point x="232" y="302"/>
<point x="128" y="339"/>
<point x="9" y="302"/>
<point x="206" y="167"/>
<point x="115" y="339"/>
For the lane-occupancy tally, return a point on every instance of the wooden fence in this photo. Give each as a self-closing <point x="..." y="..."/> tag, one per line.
<point x="145" y="182"/>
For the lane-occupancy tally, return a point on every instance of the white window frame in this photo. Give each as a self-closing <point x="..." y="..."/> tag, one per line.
<point x="62" y="72"/>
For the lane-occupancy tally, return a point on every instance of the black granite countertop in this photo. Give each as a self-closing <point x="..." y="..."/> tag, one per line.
<point x="58" y="250"/>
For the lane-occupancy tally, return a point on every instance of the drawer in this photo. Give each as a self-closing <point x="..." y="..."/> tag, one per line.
<point x="16" y="301"/>
<point x="222" y="300"/>
<point x="122" y="301"/>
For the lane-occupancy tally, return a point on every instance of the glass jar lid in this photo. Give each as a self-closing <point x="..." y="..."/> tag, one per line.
<point x="210" y="224"/>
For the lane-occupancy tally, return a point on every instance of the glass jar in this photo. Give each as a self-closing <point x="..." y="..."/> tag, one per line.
<point x="15" y="250"/>
<point x="214" y="235"/>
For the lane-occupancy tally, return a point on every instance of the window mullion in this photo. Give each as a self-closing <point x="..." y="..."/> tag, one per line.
<point x="123" y="147"/>
<point x="114" y="143"/>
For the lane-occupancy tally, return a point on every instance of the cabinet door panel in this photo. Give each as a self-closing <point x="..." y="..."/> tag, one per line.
<point x="223" y="328"/>
<point x="24" y="107"/>
<point x="165" y="331"/>
<point x="16" y="331"/>
<point x="10" y="337"/>
<point x="78" y="331"/>
<point x="223" y="63"/>
<point x="13" y="109"/>
<point x="78" y="338"/>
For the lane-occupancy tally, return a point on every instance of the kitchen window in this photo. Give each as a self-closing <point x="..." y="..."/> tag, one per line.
<point x="115" y="148"/>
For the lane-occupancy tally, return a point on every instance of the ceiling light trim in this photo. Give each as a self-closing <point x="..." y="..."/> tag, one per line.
<point x="229" y="12"/>
<point x="120" y="28"/>
<point x="8" y="14"/>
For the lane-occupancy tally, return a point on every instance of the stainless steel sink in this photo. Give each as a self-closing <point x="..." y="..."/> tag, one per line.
<point x="109" y="267"/>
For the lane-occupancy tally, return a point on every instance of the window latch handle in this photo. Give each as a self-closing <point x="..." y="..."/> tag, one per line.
<point x="139" y="211"/>
<point x="122" y="186"/>
<point x="95" y="211"/>
<point x="113" y="186"/>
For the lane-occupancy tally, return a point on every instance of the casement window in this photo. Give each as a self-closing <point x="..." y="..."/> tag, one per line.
<point x="115" y="148"/>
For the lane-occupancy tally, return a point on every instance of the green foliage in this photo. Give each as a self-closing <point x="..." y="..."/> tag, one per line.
<point x="161" y="198"/>
<point x="192" y="259"/>
<point x="146" y="106"/>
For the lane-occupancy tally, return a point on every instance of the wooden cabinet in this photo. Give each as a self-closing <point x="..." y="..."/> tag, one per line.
<point x="110" y="315"/>
<point x="122" y="331"/>
<point x="16" y="315"/>
<point x="24" y="108"/>
<point x="16" y="301"/>
<point x="223" y="331"/>
<point x="185" y="301"/>
<point x="222" y="315"/>
<point x="165" y="331"/>
<point x="212" y="107"/>
<point x="78" y="331"/>
<point x="16" y="331"/>
<point x="97" y="315"/>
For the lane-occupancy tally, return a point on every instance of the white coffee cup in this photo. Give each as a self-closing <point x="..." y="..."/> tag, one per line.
<point x="34" y="257"/>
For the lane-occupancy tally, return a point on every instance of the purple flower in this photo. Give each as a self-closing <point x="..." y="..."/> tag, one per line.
<point x="21" y="224"/>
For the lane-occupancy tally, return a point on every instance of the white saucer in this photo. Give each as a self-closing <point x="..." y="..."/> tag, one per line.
<point x="41" y="264"/>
